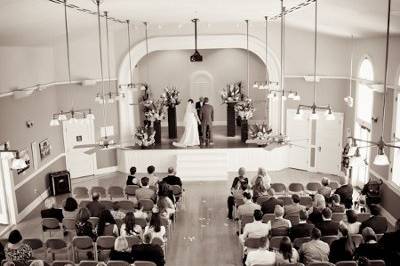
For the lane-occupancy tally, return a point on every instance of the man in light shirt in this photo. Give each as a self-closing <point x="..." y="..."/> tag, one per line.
<point x="153" y="179"/>
<point x="248" y="207"/>
<point x="294" y="208"/>
<point x="261" y="256"/>
<point x="314" y="250"/>
<point x="256" y="229"/>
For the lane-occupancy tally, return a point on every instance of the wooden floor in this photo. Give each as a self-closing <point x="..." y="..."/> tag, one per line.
<point x="202" y="235"/>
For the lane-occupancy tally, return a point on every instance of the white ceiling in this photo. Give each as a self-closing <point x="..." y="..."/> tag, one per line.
<point x="26" y="22"/>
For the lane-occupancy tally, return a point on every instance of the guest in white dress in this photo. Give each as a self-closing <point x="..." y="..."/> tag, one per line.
<point x="353" y="226"/>
<point x="155" y="228"/>
<point x="191" y="121"/>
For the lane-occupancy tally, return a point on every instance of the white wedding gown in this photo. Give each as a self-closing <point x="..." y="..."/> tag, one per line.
<point x="190" y="136"/>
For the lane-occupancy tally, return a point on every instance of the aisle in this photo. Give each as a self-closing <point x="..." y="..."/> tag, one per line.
<point x="203" y="235"/>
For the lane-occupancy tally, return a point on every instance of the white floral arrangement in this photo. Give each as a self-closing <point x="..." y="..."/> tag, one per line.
<point x="171" y="96"/>
<point x="143" y="137"/>
<point x="260" y="134"/>
<point x="245" y="109"/>
<point x="156" y="110"/>
<point x="232" y="93"/>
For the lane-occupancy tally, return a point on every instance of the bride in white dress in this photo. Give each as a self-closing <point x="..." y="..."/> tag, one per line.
<point x="191" y="135"/>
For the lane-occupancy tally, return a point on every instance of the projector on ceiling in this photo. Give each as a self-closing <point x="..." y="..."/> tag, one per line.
<point x="196" y="57"/>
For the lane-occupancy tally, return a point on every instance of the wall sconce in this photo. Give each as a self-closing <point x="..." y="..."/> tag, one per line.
<point x="374" y="119"/>
<point x="16" y="163"/>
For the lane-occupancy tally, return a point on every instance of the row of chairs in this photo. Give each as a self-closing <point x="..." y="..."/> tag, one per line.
<point x="123" y="205"/>
<point x="310" y="188"/>
<point x="86" y="263"/>
<point x="341" y="263"/>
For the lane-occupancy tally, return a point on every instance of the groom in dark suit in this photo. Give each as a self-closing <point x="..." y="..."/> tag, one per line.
<point x="198" y="106"/>
<point x="207" y="118"/>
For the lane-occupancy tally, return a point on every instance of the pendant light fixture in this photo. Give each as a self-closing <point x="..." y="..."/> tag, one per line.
<point x="247" y="58"/>
<point x="130" y="84"/>
<point x="349" y="100"/>
<point x="17" y="162"/>
<point x="273" y="86"/>
<point x="381" y="158"/>
<point x="71" y="115"/>
<point x="314" y="107"/>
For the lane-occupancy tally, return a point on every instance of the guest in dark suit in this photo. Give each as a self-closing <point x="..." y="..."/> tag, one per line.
<point x="377" y="222"/>
<point x="370" y="249"/>
<point x="207" y="119"/>
<point x="50" y="211"/>
<point x="302" y="229"/>
<point x="327" y="226"/>
<point x="95" y="207"/>
<point x="198" y="107"/>
<point x="121" y="250"/>
<point x="343" y="248"/>
<point x="172" y="179"/>
<point x="268" y="206"/>
<point x="336" y="206"/>
<point x="239" y="184"/>
<point x="294" y="208"/>
<point x="132" y="179"/>
<point x="391" y="244"/>
<point x="148" y="252"/>
<point x="346" y="193"/>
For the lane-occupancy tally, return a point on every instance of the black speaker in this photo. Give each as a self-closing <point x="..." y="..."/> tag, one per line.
<point x="60" y="183"/>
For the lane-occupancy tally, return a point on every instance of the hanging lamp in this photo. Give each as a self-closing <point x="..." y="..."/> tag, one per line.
<point x="381" y="158"/>
<point x="17" y="162"/>
<point x="349" y="100"/>
<point x="314" y="107"/>
<point x="73" y="114"/>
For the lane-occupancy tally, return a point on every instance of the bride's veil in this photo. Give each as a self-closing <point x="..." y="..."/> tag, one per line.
<point x="188" y="113"/>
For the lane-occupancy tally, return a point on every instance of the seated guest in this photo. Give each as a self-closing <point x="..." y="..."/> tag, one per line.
<point x="148" y="252"/>
<point x="314" y="250"/>
<point x="302" y="229"/>
<point x="129" y="227"/>
<point x="107" y="225"/>
<point x="279" y="221"/>
<point x="315" y="212"/>
<point x="95" y="207"/>
<point x="50" y="211"/>
<point x="155" y="229"/>
<point x="139" y="213"/>
<point x="258" y="188"/>
<point x="327" y="226"/>
<point x="377" y="222"/>
<point x="256" y="229"/>
<point x="294" y="208"/>
<point x="343" y="248"/>
<point x="248" y="207"/>
<point x="372" y="190"/>
<point x="353" y="226"/>
<point x="325" y="190"/>
<point x="336" y="206"/>
<point x="268" y="206"/>
<point x="2" y="255"/>
<point x="16" y="250"/>
<point x="116" y="212"/>
<point x="82" y="225"/>
<point x="264" y="176"/>
<point x="145" y="192"/>
<point x="70" y="208"/>
<point x="286" y="253"/>
<point x="237" y="185"/>
<point x="153" y="179"/>
<point x="165" y="204"/>
<point x="121" y="250"/>
<point x="390" y="243"/>
<point x="345" y="191"/>
<point x="261" y="256"/>
<point x="132" y="179"/>
<point x="370" y="249"/>
<point x="171" y="179"/>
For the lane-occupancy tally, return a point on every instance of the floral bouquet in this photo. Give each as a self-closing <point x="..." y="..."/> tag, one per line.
<point x="171" y="96"/>
<point x="156" y="110"/>
<point x="245" y="109"/>
<point x="260" y="134"/>
<point x="232" y="93"/>
<point x="143" y="137"/>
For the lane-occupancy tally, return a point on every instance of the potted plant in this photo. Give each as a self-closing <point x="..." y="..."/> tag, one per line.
<point x="245" y="110"/>
<point x="144" y="137"/>
<point x="230" y="96"/>
<point x="156" y="113"/>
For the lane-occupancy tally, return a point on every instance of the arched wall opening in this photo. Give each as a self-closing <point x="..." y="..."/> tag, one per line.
<point x="174" y="43"/>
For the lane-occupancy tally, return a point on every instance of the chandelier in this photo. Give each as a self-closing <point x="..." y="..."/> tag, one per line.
<point x="71" y="115"/>
<point x="273" y="86"/>
<point x="381" y="158"/>
<point x="314" y="107"/>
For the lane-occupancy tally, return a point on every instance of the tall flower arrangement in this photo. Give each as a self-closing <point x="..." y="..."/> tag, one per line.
<point x="260" y="134"/>
<point x="171" y="96"/>
<point x="245" y="109"/>
<point x="156" y="110"/>
<point x="143" y="137"/>
<point x="232" y="92"/>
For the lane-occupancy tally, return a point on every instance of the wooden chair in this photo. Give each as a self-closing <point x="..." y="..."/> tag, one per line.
<point x="338" y="216"/>
<point x="357" y="239"/>
<point x="177" y="191"/>
<point x="300" y="241"/>
<point x="82" y="244"/>
<point x="56" y="246"/>
<point x="268" y="217"/>
<point x="280" y="231"/>
<point x="376" y="263"/>
<point x="279" y="188"/>
<point x="329" y="239"/>
<point x="109" y="230"/>
<point x="262" y="199"/>
<point x="69" y="226"/>
<point x="141" y="221"/>
<point x="144" y="263"/>
<point x="275" y="242"/>
<point x="362" y="216"/>
<point x="88" y="263"/>
<point x="80" y="193"/>
<point x="104" y="246"/>
<point x="51" y="225"/>
<point x="83" y="203"/>
<point x="133" y="240"/>
<point x="62" y="263"/>
<point x="296" y="188"/>
<point x="313" y="187"/>
<point x="37" y="246"/>
<point x="99" y="189"/>
<point x="147" y="204"/>
<point x="160" y="242"/>
<point x="126" y="205"/>
<point x="245" y="219"/>
<point x="306" y="201"/>
<point x="287" y="200"/>
<point x="334" y="185"/>
<point x="117" y="263"/>
<point x="130" y="190"/>
<point x="346" y="263"/>
<point x="253" y="243"/>
<point x="116" y="192"/>
<point x="108" y="204"/>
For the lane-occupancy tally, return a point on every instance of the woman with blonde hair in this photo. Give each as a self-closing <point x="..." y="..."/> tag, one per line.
<point x="315" y="212"/>
<point x="265" y="178"/>
<point x="121" y="250"/>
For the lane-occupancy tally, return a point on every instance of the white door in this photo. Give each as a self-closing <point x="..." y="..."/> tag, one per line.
<point x="298" y="132"/>
<point x="328" y="143"/>
<point x="3" y="201"/>
<point x="79" y="133"/>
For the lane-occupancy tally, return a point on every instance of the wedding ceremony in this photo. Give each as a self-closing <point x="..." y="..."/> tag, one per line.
<point x="194" y="133"/>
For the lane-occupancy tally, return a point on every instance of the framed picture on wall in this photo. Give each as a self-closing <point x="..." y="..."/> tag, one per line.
<point x="24" y="154"/>
<point x="44" y="149"/>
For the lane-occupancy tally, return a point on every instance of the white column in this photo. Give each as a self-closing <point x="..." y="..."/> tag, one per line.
<point x="8" y="198"/>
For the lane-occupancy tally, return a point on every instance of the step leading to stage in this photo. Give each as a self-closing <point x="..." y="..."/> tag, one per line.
<point x="202" y="166"/>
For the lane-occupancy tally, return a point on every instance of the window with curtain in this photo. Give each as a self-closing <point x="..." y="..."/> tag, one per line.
<point x="363" y="115"/>
<point x="396" y="152"/>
